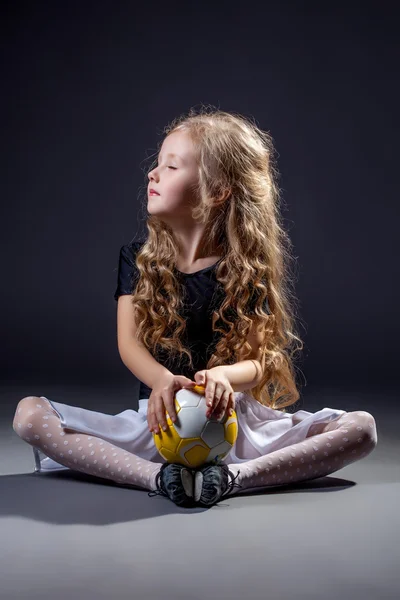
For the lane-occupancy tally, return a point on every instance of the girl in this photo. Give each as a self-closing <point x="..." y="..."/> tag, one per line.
<point x="205" y="300"/>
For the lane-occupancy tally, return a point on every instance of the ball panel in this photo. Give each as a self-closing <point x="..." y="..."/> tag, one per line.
<point x="213" y="433"/>
<point x="167" y="439"/>
<point x="189" y="421"/>
<point x="193" y="451"/>
<point x="231" y="429"/>
<point x="171" y="457"/>
<point x="187" y="398"/>
<point x="219" y="452"/>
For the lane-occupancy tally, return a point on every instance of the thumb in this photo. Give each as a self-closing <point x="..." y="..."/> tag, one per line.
<point x="185" y="381"/>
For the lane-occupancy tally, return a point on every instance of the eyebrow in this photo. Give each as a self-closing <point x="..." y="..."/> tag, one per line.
<point x="172" y="154"/>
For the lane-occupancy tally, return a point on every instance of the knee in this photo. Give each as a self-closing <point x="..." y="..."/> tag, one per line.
<point x="26" y="409"/>
<point x="365" y="424"/>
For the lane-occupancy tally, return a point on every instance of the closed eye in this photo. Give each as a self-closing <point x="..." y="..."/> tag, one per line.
<point x="168" y="167"/>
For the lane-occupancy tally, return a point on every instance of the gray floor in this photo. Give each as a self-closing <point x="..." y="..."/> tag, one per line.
<point x="68" y="535"/>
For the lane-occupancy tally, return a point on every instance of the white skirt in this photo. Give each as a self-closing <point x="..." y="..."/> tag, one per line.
<point x="261" y="429"/>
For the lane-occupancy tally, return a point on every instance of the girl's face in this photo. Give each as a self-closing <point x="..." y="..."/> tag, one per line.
<point x="175" y="179"/>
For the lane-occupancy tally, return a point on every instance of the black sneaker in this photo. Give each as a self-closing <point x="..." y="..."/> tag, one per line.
<point x="211" y="483"/>
<point x="175" y="481"/>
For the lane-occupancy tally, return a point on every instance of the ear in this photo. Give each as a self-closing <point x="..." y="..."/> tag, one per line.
<point x="224" y="195"/>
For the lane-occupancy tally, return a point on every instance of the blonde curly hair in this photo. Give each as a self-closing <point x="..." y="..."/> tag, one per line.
<point x="233" y="154"/>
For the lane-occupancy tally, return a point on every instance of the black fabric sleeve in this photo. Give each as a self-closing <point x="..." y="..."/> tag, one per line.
<point x="128" y="273"/>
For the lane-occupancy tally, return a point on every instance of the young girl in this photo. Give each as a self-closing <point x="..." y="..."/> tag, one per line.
<point x="205" y="300"/>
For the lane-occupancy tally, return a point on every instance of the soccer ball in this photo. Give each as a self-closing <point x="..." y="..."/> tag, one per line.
<point x="193" y="439"/>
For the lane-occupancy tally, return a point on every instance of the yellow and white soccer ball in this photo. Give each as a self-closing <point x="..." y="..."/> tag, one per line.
<point x="194" y="440"/>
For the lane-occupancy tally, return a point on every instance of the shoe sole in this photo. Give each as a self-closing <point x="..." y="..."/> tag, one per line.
<point x="187" y="482"/>
<point x="197" y="486"/>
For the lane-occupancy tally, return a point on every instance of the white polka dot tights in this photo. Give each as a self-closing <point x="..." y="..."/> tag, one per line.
<point x="327" y="448"/>
<point x="38" y="424"/>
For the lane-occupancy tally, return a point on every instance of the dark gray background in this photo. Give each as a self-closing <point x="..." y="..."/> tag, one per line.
<point x="87" y="89"/>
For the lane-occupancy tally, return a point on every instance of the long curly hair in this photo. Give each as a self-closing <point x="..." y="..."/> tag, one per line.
<point x="232" y="154"/>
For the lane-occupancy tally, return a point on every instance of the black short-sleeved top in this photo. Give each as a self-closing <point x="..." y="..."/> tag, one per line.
<point x="203" y="294"/>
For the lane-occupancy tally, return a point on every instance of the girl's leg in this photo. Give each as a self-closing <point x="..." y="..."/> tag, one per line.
<point x="38" y="424"/>
<point x="339" y="443"/>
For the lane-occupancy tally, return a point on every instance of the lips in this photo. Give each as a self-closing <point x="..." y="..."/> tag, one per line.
<point x="153" y="193"/>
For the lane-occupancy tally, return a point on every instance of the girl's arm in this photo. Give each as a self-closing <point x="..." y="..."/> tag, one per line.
<point x="134" y="355"/>
<point x="141" y="363"/>
<point x="248" y="371"/>
<point x="243" y="375"/>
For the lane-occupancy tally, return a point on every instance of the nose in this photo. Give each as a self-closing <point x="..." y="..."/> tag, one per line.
<point x="152" y="173"/>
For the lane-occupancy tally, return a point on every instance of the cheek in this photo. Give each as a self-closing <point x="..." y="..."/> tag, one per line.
<point x="176" y="197"/>
<point x="177" y="189"/>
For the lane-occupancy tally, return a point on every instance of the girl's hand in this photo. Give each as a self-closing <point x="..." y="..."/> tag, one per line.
<point x="162" y="398"/>
<point x="220" y="397"/>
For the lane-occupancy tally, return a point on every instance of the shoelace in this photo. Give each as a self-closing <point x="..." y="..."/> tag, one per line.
<point x="160" y="491"/>
<point x="232" y="484"/>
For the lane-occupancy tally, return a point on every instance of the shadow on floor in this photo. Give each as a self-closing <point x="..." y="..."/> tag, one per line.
<point x="71" y="497"/>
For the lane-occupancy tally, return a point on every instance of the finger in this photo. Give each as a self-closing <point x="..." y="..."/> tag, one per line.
<point x="209" y="393"/>
<point x="150" y="418"/>
<point x="154" y="419"/>
<point x="222" y="406"/>
<point x="150" y="424"/>
<point x="160" y="414"/>
<point x="190" y="384"/>
<point x="231" y="405"/>
<point x="227" y="406"/>
<point x="228" y="403"/>
<point x="218" y="393"/>
<point x="170" y="406"/>
<point x="216" y="407"/>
